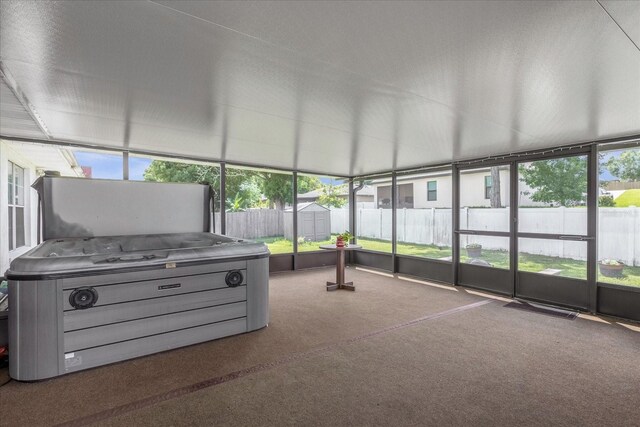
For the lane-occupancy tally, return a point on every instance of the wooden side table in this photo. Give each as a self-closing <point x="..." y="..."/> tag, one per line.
<point x="340" y="265"/>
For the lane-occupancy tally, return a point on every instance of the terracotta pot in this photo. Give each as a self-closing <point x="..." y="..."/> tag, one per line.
<point x="611" y="270"/>
<point x="340" y="242"/>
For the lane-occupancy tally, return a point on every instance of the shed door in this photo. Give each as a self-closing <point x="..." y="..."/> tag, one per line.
<point x="321" y="225"/>
<point x="306" y="220"/>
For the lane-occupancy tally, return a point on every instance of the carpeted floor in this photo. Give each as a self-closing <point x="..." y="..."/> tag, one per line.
<point x="395" y="352"/>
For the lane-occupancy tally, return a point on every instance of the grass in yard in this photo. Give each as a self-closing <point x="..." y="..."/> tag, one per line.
<point x="628" y="198"/>
<point x="425" y="251"/>
<point x="500" y="259"/>
<point x="630" y="277"/>
<point x="375" y="245"/>
<point x="279" y="245"/>
<point x="497" y="259"/>
<point x="568" y="267"/>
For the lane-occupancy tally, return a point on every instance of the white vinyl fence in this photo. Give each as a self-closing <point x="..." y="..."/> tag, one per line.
<point x="619" y="228"/>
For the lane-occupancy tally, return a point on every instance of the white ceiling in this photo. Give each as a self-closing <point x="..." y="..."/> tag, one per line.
<point x="342" y="88"/>
<point x="15" y="119"/>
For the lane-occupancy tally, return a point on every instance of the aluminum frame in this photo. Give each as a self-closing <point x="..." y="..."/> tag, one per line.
<point x="590" y="149"/>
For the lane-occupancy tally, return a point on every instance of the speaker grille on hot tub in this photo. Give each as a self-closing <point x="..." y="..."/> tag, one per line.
<point x="83" y="298"/>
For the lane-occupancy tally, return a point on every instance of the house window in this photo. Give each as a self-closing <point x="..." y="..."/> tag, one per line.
<point x="16" y="207"/>
<point x="384" y="197"/>
<point x="405" y="196"/>
<point x="488" y="183"/>
<point x="432" y="191"/>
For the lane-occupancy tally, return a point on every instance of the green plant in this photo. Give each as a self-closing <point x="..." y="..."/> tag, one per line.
<point x="606" y="202"/>
<point x="235" y="205"/>
<point x="474" y="246"/>
<point x="346" y="236"/>
<point x="608" y="261"/>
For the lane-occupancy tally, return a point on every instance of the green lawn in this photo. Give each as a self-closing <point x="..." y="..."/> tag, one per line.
<point x="279" y="245"/>
<point x="499" y="259"/>
<point x="628" y="198"/>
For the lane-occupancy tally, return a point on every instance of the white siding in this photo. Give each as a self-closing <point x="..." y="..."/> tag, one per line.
<point x="31" y="202"/>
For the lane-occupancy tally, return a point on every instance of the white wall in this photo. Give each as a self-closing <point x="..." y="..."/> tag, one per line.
<point x="31" y="201"/>
<point x="443" y="197"/>
<point x="471" y="190"/>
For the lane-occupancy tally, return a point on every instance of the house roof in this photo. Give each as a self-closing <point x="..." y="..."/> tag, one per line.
<point x="49" y="157"/>
<point x="343" y="190"/>
<point x="303" y="206"/>
<point x="434" y="174"/>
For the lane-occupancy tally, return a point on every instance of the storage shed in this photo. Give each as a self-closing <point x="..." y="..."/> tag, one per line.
<point x="314" y="222"/>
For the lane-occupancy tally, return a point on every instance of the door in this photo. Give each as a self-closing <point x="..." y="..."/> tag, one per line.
<point x="554" y="237"/>
<point x="484" y="227"/>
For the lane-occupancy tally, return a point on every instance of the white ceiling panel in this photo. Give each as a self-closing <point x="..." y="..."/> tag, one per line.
<point x="344" y="88"/>
<point x="626" y="14"/>
<point x="15" y="119"/>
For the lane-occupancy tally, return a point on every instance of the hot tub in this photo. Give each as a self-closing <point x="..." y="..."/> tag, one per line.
<point x="127" y="269"/>
<point x="78" y="303"/>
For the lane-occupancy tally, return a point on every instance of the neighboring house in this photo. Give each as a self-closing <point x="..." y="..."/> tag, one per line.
<point x="20" y="165"/>
<point x="364" y="196"/>
<point x="620" y="185"/>
<point x="433" y="190"/>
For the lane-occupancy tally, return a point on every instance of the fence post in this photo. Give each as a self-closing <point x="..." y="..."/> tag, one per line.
<point x="563" y="218"/>
<point x="404" y="224"/>
<point x="464" y="238"/>
<point x="635" y="254"/>
<point x="433" y="227"/>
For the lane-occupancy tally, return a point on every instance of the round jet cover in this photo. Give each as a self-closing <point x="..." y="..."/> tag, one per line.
<point x="234" y="278"/>
<point x="83" y="298"/>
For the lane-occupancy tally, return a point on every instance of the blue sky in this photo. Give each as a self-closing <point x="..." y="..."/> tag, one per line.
<point x="109" y="166"/>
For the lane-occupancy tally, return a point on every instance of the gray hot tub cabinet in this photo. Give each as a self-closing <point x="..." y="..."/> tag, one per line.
<point x="78" y="303"/>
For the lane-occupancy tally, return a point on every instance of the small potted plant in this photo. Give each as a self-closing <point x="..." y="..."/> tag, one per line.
<point x="474" y="250"/>
<point x="343" y="239"/>
<point x="611" y="267"/>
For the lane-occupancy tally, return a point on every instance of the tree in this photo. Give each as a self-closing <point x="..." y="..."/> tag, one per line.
<point x="626" y="166"/>
<point x="308" y="183"/>
<point x="244" y="188"/>
<point x="494" y="195"/>
<point x="239" y="183"/>
<point x="278" y="188"/>
<point x="162" y="171"/>
<point x="557" y="181"/>
<point x="330" y="196"/>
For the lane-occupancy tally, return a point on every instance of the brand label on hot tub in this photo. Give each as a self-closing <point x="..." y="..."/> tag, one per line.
<point x="170" y="265"/>
<point x="174" y="285"/>
<point x="71" y="360"/>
